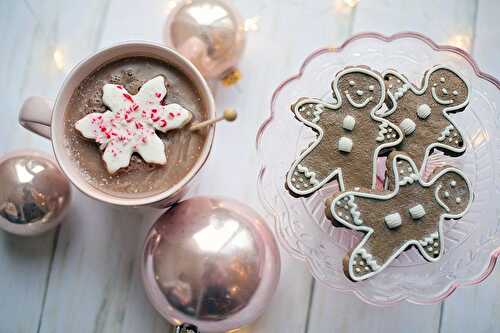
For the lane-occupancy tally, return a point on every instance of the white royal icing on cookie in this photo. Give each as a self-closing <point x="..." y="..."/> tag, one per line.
<point x="401" y="90"/>
<point x="392" y="220"/>
<point x="417" y="212"/>
<point x="131" y="124"/>
<point x="429" y="239"/>
<point x="369" y="259"/>
<point x="348" y="123"/>
<point x="439" y="100"/>
<point x="382" y="131"/>
<point x="423" y="111"/>
<point x="345" y="144"/>
<point x="408" y="126"/>
<point x="445" y="133"/>
<point x="408" y="179"/>
<point x="354" y="211"/>
<point x="355" y="104"/>
<point x="311" y="175"/>
<point x="438" y="199"/>
<point x="318" y="110"/>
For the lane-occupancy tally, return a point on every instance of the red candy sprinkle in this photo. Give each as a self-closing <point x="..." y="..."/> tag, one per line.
<point x="171" y="115"/>
<point x="178" y="113"/>
<point x="127" y="96"/>
<point x="119" y="87"/>
<point x="138" y="125"/>
<point x="158" y="94"/>
<point x="154" y="110"/>
<point x="163" y="123"/>
<point x="135" y="107"/>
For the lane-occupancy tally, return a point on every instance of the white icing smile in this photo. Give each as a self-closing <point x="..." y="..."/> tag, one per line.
<point x="438" y="199"/>
<point x="355" y="104"/>
<point x="439" y="100"/>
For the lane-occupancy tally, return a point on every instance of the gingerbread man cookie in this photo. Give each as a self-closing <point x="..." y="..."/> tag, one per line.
<point x="410" y="213"/>
<point x="350" y="135"/>
<point x="422" y="113"/>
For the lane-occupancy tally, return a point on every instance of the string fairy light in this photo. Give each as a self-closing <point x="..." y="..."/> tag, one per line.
<point x="252" y="23"/>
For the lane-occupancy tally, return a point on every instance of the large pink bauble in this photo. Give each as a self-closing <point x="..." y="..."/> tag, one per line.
<point x="210" y="262"/>
<point x="210" y="33"/>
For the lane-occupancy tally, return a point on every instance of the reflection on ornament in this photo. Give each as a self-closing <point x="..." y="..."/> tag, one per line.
<point x="460" y="40"/>
<point x="210" y="33"/>
<point x="210" y="262"/>
<point x="34" y="194"/>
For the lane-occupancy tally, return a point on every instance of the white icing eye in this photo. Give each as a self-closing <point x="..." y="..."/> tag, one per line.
<point x="359" y="92"/>
<point x="446" y="194"/>
<point x="352" y="83"/>
<point x="442" y="80"/>
<point x="455" y="93"/>
<point x="444" y="91"/>
<point x="399" y="81"/>
<point x="453" y="183"/>
<point x="458" y="200"/>
<point x="390" y="86"/>
<point x="435" y="85"/>
<point x="371" y="87"/>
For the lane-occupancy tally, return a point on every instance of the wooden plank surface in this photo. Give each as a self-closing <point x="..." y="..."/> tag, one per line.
<point x="87" y="279"/>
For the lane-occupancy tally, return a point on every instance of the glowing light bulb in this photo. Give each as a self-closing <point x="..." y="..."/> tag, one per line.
<point x="252" y="23"/>
<point x="351" y="3"/>
<point x="460" y="40"/>
<point x="58" y="57"/>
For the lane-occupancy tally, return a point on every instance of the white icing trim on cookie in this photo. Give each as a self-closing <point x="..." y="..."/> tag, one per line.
<point x="445" y="133"/>
<point x="318" y="110"/>
<point x="438" y="199"/>
<point x="355" y="104"/>
<point x="368" y="258"/>
<point x="439" y="100"/>
<point x="445" y="110"/>
<point x="311" y="175"/>
<point x="369" y="231"/>
<point x="131" y="125"/>
<point x="355" y="213"/>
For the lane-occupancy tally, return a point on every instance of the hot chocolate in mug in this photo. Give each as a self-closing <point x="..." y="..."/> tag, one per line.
<point x="185" y="85"/>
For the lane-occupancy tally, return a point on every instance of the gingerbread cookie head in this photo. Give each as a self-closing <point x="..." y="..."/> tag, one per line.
<point x="410" y="213"/>
<point x="349" y="134"/>
<point x="360" y="91"/>
<point x="447" y="87"/>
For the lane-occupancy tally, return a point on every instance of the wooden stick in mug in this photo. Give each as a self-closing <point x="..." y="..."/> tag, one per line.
<point x="229" y="115"/>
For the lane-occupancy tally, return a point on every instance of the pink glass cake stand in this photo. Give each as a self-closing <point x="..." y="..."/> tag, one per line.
<point x="471" y="243"/>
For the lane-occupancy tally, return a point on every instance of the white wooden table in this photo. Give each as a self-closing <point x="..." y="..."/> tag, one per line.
<point x="84" y="277"/>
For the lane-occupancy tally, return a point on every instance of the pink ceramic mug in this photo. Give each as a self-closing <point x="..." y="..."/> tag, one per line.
<point x="46" y="119"/>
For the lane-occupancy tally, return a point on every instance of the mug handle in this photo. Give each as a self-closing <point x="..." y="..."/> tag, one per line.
<point x="36" y="115"/>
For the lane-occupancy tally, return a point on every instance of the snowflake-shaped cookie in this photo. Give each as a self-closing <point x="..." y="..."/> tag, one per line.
<point x="350" y="134"/>
<point x="422" y="113"/>
<point x="131" y="124"/>
<point x="411" y="213"/>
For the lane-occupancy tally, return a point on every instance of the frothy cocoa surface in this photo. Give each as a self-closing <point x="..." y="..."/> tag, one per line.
<point x="140" y="179"/>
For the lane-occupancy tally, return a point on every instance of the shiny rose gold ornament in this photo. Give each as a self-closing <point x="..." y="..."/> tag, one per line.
<point x="210" y="262"/>
<point x="210" y="33"/>
<point x="34" y="194"/>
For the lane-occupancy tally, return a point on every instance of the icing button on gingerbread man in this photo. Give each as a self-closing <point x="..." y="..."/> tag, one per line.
<point x="410" y="213"/>
<point x="350" y="135"/>
<point x="423" y="113"/>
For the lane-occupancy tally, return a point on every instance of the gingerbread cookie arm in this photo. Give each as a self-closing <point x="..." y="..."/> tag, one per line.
<point x="303" y="178"/>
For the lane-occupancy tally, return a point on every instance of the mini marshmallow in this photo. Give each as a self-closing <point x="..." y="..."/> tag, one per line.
<point x="393" y="220"/>
<point x="349" y="123"/>
<point x="407" y="126"/>
<point x="417" y="212"/>
<point x="345" y="144"/>
<point x="423" y="111"/>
